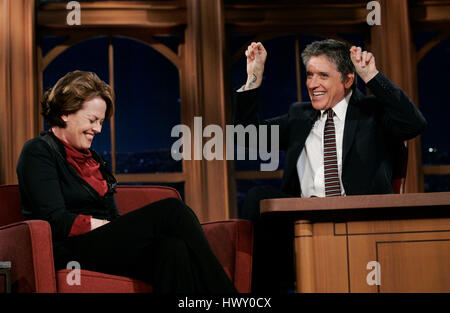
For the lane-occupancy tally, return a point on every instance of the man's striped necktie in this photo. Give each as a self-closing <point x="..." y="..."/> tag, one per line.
<point x="332" y="185"/>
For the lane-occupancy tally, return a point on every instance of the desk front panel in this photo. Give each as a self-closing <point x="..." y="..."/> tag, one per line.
<point x="376" y="256"/>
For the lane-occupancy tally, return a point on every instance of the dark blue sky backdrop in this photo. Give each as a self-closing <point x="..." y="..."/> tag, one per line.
<point x="146" y="87"/>
<point x="434" y="101"/>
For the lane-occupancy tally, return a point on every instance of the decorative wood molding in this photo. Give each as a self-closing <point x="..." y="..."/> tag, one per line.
<point x="431" y="14"/>
<point x="272" y="20"/>
<point x="6" y="163"/>
<point x="142" y="37"/>
<point x="296" y="14"/>
<point x="112" y="122"/>
<point x="304" y="250"/>
<point x="190" y="78"/>
<point x="208" y="187"/>
<point x="162" y="16"/>
<point x="212" y="88"/>
<point x="398" y="63"/>
<point x="430" y="45"/>
<point x="436" y="170"/>
<point x="57" y="50"/>
<point x="160" y="47"/>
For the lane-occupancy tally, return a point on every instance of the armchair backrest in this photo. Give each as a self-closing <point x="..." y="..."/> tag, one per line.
<point x="10" y="208"/>
<point x="128" y="198"/>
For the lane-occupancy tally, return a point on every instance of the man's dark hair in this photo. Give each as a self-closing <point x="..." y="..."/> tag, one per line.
<point x="336" y="51"/>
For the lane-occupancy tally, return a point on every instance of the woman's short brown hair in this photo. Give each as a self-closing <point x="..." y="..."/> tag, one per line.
<point x="69" y="94"/>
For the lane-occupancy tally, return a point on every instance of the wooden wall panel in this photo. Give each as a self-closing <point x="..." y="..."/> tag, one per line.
<point x="5" y="94"/>
<point x="18" y="105"/>
<point x="160" y="16"/>
<point x="207" y="184"/>
<point x="399" y="65"/>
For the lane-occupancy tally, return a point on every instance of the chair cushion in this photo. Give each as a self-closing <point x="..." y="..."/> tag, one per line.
<point x="95" y="282"/>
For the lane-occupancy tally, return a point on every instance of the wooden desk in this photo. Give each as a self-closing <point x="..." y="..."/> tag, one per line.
<point x="336" y="239"/>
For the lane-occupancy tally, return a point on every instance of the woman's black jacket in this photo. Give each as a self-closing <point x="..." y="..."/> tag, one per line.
<point x="52" y="190"/>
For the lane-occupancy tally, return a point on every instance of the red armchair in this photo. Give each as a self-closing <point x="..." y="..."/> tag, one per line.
<point x="28" y="245"/>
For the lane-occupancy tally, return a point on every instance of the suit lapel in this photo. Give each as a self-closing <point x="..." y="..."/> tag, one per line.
<point x="305" y="123"/>
<point x="351" y="123"/>
<point x="301" y="129"/>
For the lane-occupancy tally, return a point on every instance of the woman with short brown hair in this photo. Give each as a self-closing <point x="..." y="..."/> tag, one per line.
<point x="66" y="183"/>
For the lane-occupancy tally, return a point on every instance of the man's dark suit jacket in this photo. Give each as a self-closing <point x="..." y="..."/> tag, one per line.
<point x="374" y="126"/>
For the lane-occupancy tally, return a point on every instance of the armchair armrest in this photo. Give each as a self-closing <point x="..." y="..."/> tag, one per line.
<point x="232" y="243"/>
<point x="28" y="245"/>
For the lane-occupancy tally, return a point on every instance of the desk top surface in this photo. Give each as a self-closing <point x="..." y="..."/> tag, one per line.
<point x="388" y="202"/>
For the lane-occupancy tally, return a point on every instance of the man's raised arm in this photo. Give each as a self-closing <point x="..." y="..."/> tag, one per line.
<point x="256" y="57"/>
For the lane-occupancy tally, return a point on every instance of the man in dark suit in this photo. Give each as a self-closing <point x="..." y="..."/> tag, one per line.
<point x="341" y="143"/>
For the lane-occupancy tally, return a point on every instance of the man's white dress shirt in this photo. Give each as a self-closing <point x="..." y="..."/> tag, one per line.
<point x="310" y="166"/>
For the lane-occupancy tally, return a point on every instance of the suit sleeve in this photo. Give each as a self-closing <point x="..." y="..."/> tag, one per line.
<point x="400" y="115"/>
<point x="40" y="189"/>
<point x="246" y="113"/>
